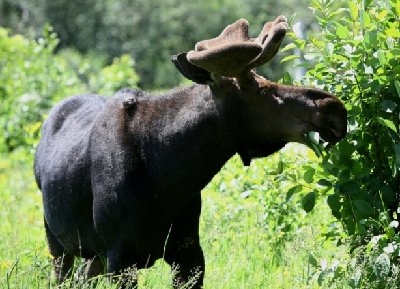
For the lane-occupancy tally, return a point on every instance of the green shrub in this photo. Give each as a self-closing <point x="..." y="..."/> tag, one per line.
<point x="356" y="56"/>
<point x="33" y="78"/>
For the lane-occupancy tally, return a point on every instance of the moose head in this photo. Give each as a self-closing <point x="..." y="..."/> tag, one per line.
<point x="268" y="115"/>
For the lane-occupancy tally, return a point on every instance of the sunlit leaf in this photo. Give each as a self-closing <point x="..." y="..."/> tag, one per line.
<point x="388" y="123"/>
<point x="309" y="175"/>
<point x="292" y="191"/>
<point x="371" y="39"/>
<point x="288" y="47"/>
<point x="393" y="32"/>
<point x="353" y="10"/>
<point x="290" y="57"/>
<point x="365" y="20"/>
<point x="342" y="31"/>
<point x="381" y="57"/>
<point x="397" y="85"/>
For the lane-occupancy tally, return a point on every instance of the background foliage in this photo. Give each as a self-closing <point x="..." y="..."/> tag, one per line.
<point x="149" y="30"/>
<point x="33" y="78"/>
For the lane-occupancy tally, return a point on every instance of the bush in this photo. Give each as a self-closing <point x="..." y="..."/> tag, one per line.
<point x="356" y="56"/>
<point x="33" y="78"/>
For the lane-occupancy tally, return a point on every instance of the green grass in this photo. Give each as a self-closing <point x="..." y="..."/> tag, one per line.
<point x="251" y="235"/>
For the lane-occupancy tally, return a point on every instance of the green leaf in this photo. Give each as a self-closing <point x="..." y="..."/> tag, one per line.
<point x="371" y="39"/>
<point x="300" y="43"/>
<point x="388" y="195"/>
<point x="392" y="32"/>
<point x="342" y="31"/>
<point x="314" y="137"/>
<point x="351" y="187"/>
<point x="397" y="152"/>
<point x="388" y="106"/>
<point x="382" y="15"/>
<point x="308" y="202"/>
<point x="353" y="10"/>
<point x="314" y="142"/>
<point x="290" y="57"/>
<point x="363" y="207"/>
<point x="334" y="203"/>
<point x="321" y="277"/>
<point x="312" y="260"/>
<point x="365" y="20"/>
<point x="340" y="57"/>
<point x="292" y="191"/>
<point x="386" y="122"/>
<point x="397" y="85"/>
<point x="366" y="4"/>
<point x="280" y="167"/>
<point x="381" y="57"/>
<point x="309" y="175"/>
<point x="346" y="149"/>
<point x="288" y="47"/>
<point x="325" y="183"/>
<point x="381" y="266"/>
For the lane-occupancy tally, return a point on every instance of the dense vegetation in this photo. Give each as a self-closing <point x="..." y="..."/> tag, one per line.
<point x="149" y="30"/>
<point x="32" y="79"/>
<point x="293" y="220"/>
<point x="357" y="56"/>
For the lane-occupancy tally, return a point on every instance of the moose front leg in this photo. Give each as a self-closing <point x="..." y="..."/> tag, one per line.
<point x="119" y="265"/>
<point x="183" y="250"/>
<point x="188" y="262"/>
<point x="94" y="267"/>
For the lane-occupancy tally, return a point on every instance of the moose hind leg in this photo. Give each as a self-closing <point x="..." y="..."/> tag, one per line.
<point x="183" y="250"/>
<point x="62" y="262"/>
<point x="94" y="267"/>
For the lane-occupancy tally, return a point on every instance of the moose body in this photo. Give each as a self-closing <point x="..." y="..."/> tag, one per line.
<point x="121" y="177"/>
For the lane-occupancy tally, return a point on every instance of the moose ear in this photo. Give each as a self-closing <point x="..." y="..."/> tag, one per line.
<point x="190" y="71"/>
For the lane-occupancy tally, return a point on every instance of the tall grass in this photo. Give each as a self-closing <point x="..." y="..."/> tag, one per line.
<point x="243" y="236"/>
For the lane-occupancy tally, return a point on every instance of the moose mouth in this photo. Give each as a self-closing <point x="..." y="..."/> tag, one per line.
<point x="331" y="133"/>
<point x="319" y="139"/>
<point x="314" y="141"/>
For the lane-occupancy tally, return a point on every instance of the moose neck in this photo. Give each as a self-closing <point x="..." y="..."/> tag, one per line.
<point x="194" y="131"/>
<point x="237" y="112"/>
<point x="190" y="133"/>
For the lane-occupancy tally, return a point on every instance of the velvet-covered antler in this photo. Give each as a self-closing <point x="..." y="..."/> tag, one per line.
<point x="233" y="52"/>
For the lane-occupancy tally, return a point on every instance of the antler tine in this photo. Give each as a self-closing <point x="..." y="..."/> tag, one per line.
<point x="236" y="32"/>
<point x="232" y="53"/>
<point x="270" y="39"/>
<point x="228" y="53"/>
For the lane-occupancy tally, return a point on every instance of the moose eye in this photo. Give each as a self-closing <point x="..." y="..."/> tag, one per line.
<point x="265" y="91"/>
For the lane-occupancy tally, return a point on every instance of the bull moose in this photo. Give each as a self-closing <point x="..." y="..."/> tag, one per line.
<point x="121" y="176"/>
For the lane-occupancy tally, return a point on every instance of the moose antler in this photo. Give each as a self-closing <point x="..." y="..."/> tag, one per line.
<point x="233" y="52"/>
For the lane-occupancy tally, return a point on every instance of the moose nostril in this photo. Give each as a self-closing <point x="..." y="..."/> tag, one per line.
<point x="337" y="128"/>
<point x="336" y="132"/>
